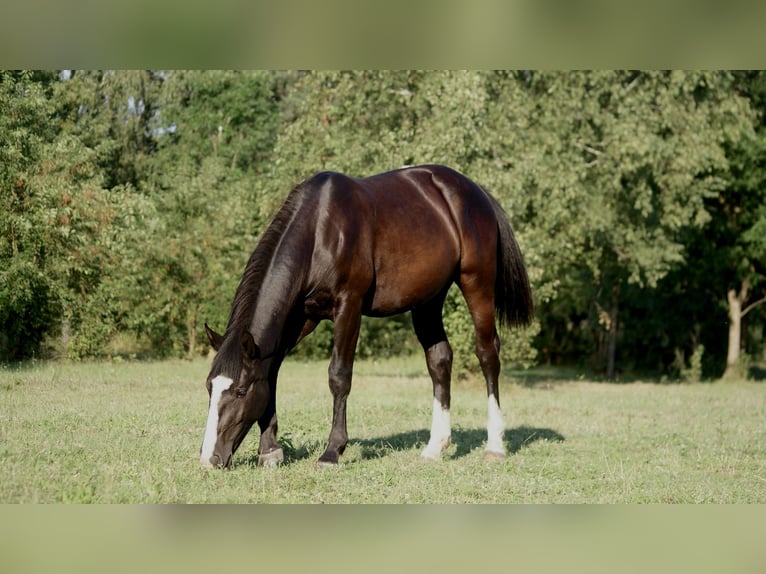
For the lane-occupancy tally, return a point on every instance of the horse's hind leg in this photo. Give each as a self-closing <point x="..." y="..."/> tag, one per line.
<point x="429" y="329"/>
<point x="482" y="308"/>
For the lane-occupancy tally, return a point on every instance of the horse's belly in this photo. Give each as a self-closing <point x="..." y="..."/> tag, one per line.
<point x="386" y="303"/>
<point x="415" y="275"/>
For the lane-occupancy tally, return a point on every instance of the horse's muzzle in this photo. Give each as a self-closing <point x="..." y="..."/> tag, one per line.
<point x="216" y="461"/>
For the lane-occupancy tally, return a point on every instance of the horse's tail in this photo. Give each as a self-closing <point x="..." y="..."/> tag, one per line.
<point x="513" y="297"/>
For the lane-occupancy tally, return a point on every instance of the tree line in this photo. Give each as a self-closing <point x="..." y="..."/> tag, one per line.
<point x="131" y="200"/>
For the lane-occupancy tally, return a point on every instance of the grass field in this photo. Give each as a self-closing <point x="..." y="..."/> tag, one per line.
<point x="130" y="433"/>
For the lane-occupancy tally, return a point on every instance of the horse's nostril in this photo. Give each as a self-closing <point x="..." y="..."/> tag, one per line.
<point x="215" y="460"/>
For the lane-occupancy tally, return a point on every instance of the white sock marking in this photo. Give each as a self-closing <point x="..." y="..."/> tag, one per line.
<point x="495" y="426"/>
<point x="220" y="384"/>
<point x="440" y="432"/>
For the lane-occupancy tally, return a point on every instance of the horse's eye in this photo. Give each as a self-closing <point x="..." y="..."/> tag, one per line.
<point x="241" y="392"/>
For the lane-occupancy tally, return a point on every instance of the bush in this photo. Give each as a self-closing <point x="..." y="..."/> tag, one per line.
<point x="516" y="346"/>
<point x="693" y="373"/>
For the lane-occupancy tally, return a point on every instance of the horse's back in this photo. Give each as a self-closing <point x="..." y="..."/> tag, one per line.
<point x="446" y="206"/>
<point x="408" y="185"/>
<point x="400" y="235"/>
<point x="400" y="238"/>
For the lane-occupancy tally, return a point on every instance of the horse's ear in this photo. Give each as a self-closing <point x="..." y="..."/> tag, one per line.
<point x="214" y="338"/>
<point x="249" y="348"/>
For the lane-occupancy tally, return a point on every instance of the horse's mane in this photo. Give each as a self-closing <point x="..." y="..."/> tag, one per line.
<point x="246" y="296"/>
<point x="252" y="278"/>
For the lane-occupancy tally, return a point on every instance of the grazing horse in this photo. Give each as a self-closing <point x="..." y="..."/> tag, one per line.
<point x="341" y="247"/>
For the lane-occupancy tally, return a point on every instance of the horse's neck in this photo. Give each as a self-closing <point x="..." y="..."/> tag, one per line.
<point x="279" y="295"/>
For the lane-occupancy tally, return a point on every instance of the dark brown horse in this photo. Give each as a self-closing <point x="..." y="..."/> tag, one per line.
<point x="342" y="247"/>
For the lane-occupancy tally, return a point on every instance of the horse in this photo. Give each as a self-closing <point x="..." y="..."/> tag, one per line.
<point x="341" y="247"/>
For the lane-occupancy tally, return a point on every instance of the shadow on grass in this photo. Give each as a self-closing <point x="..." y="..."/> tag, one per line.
<point x="465" y="441"/>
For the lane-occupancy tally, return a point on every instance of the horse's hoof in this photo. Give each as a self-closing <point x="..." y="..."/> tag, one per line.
<point x="326" y="464"/>
<point x="271" y="459"/>
<point x="433" y="452"/>
<point x="494" y="455"/>
<point x="430" y="457"/>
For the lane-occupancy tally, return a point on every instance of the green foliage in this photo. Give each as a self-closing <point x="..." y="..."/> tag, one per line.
<point x="516" y="348"/>
<point x="111" y="112"/>
<point x="693" y="373"/>
<point x="224" y="114"/>
<point x="130" y="200"/>
<point x="53" y="213"/>
<point x="214" y="131"/>
<point x="180" y="149"/>
<point x="378" y="339"/>
<point x="28" y="299"/>
<point x="728" y="251"/>
<point x="616" y="167"/>
<point x="28" y="309"/>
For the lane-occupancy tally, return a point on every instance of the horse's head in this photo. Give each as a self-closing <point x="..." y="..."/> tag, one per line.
<point x="239" y="393"/>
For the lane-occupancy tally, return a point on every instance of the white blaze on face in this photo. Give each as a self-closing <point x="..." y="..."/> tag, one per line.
<point x="219" y="385"/>
<point x="440" y="432"/>
<point x="495" y="426"/>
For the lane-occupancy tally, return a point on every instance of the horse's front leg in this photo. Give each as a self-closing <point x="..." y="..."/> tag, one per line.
<point x="269" y="450"/>
<point x="347" y="321"/>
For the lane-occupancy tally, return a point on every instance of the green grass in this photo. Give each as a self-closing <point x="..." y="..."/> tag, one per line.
<point x="130" y="433"/>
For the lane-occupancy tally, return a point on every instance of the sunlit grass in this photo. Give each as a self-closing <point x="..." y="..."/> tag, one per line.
<point x="130" y="433"/>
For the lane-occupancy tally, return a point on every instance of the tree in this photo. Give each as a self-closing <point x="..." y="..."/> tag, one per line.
<point x="354" y="122"/>
<point x="213" y="134"/>
<point x="28" y="298"/>
<point x="178" y="153"/>
<point x="111" y="112"/>
<point x="614" y="167"/>
<point x="131" y="200"/>
<point x="54" y="210"/>
<point x="733" y="244"/>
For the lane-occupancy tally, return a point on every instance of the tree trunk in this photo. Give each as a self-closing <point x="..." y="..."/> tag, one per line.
<point x="736" y="313"/>
<point x="735" y="334"/>
<point x="611" y="348"/>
